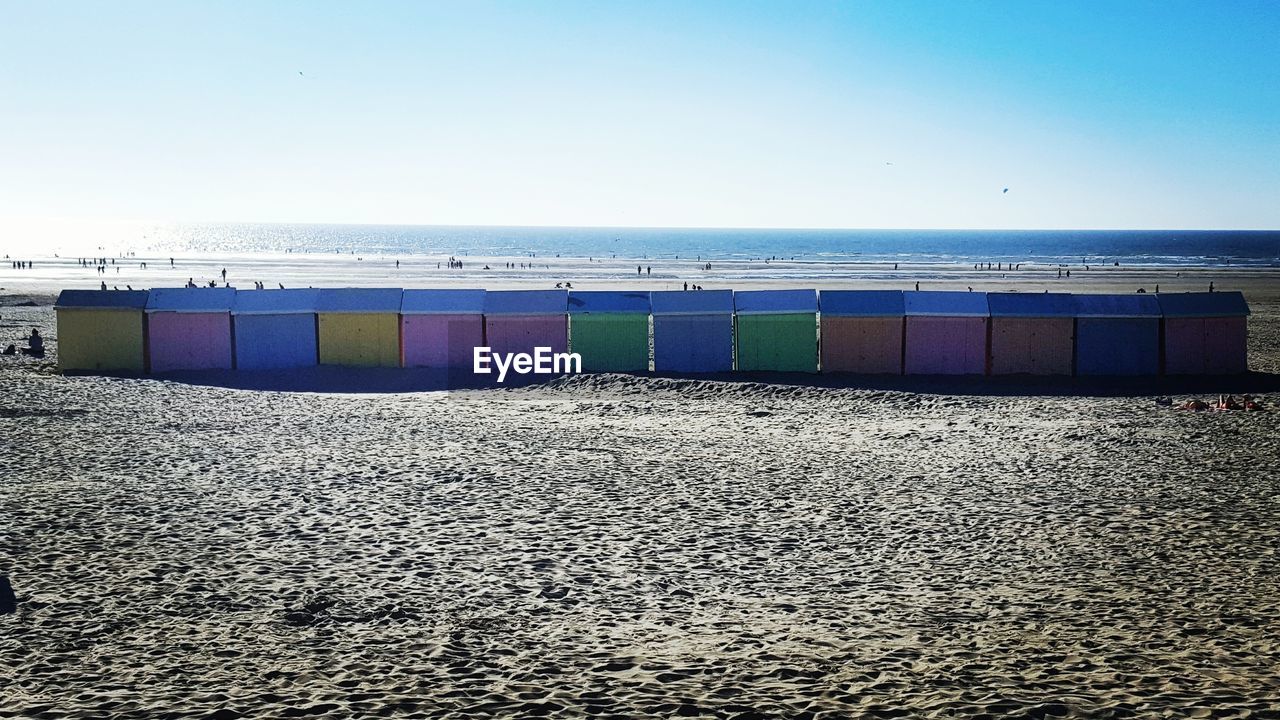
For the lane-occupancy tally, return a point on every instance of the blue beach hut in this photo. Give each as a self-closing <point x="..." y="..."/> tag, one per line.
<point x="1117" y="334"/>
<point x="692" y="331"/>
<point x="275" y="329"/>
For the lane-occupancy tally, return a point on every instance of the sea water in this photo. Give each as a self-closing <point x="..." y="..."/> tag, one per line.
<point x="1127" y="247"/>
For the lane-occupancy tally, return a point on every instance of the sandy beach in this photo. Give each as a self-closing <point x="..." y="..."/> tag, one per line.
<point x="621" y="546"/>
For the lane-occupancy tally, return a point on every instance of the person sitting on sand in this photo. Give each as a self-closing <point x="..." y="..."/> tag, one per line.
<point x="11" y="350"/>
<point x="1250" y="404"/>
<point x="35" y="344"/>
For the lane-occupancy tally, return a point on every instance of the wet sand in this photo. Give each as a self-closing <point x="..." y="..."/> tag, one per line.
<point x="636" y="547"/>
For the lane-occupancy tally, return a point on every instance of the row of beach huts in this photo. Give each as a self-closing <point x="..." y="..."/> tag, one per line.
<point x="709" y="331"/>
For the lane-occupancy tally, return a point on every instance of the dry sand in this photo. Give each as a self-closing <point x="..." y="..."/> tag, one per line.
<point x="635" y="547"/>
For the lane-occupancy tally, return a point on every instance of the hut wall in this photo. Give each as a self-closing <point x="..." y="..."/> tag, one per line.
<point x="441" y="341"/>
<point x="189" y="341"/>
<point x="359" y="339"/>
<point x="106" y="339"/>
<point x="271" y="342"/>
<point x="610" y="342"/>
<point x="1032" y="346"/>
<point x="778" y="342"/>
<point x="693" y="343"/>
<point x="865" y="345"/>
<point x="946" y="345"/>
<point x="1118" y="346"/>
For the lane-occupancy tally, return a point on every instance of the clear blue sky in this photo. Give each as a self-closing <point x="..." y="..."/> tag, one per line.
<point x="1100" y="115"/>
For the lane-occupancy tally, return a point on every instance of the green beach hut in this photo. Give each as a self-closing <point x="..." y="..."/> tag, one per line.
<point x="610" y="330"/>
<point x="777" y="330"/>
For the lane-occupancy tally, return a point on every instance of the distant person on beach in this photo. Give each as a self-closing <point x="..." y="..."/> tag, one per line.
<point x="1210" y="286"/>
<point x="104" y="285"/>
<point x="686" y="286"/>
<point x="224" y="274"/>
<point x="917" y="286"/>
<point x="35" y="344"/>
<point x="10" y="350"/>
<point x="8" y="600"/>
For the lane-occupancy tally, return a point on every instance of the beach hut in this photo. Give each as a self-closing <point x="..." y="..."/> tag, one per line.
<point x="518" y="321"/>
<point x="189" y="329"/>
<point x="101" y="330"/>
<point x="1205" y="333"/>
<point x="692" y="331"/>
<point x="1117" y="334"/>
<point x="776" y="330"/>
<point x="358" y="327"/>
<point x="275" y="329"/>
<point x="946" y="333"/>
<point x="610" y="330"/>
<point x="1031" y="333"/>
<point x="441" y="328"/>
<point x="862" y="331"/>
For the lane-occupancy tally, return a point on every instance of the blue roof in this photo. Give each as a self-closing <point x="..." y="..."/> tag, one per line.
<point x="1132" y="305"/>
<point x="1031" y="305"/>
<point x="1204" y="304"/>
<point x="191" y="299"/>
<point x="692" y="302"/>
<point x="359" y="300"/>
<point x="292" y="301"/>
<point x="946" y="304"/>
<point x="103" y="299"/>
<point x="526" y="302"/>
<point x="442" y="302"/>
<point x="608" y="301"/>
<point x="775" y="302"/>
<point x="862" y="303"/>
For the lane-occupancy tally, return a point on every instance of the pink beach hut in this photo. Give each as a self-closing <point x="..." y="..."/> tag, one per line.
<point x="1205" y="333"/>
<point x="517" y="321"/>
<point x="946" y="333"/>
<point x="189" y="329"/>
<point x="441" y="328"/>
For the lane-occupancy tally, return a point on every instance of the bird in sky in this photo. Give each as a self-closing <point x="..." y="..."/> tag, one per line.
<point x="1006" y="191"/>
